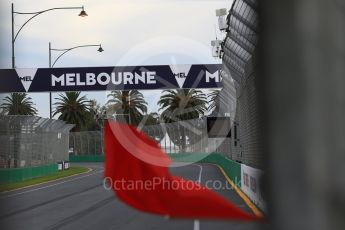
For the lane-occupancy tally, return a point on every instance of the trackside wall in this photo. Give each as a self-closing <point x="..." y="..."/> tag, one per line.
<point x="20" y="174"/>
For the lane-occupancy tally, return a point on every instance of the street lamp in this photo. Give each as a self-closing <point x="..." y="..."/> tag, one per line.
<point x="100" y="49"/>
<point x="123" y="114"/>
<point x="35" y="14"/>
<point x="64" y="51"/>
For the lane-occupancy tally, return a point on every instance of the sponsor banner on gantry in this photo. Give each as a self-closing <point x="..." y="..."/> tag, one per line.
<point x="110" y="78"/>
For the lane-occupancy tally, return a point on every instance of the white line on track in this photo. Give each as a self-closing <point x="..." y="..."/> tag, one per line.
<point x="46" y="182"/>
<point x="48" y="186"/>
<point x="196" y="225"/>
<point x="197" y="222"/>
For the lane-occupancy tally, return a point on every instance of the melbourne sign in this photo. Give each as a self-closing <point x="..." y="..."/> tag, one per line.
<point x="110" y="78"/>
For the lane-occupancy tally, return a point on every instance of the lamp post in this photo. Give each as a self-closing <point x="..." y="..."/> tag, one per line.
<point x="64" y="51"/>
<point x="123" y="114"/>
<point x="35" y="14"/>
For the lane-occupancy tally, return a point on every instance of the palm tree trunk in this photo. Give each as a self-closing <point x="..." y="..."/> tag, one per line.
<point x="183" y="139"/>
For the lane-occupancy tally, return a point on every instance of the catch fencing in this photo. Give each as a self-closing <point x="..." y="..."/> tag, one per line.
<point x="28" y="141"/>
<point x="181" y="136"/>
<point x="241" y="83"/>
<point x="86" y="143"/>
<point x="188" y="136"/>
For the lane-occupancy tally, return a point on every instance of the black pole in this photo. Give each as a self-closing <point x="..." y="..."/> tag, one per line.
<point x="50" y="93"/>
<point x="13" y="60"/>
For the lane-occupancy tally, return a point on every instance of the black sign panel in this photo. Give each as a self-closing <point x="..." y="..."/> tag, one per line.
<point x="110" y="78"/>
<point x="218" y="127"/>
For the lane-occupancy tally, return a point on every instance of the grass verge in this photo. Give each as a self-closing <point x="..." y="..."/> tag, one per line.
<point x="61" y="174"/>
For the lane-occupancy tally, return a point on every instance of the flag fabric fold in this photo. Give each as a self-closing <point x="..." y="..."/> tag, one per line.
<point x="150" y="187"/>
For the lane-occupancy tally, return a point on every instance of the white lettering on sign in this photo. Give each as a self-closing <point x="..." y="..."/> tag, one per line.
<point x="60" y="79"/>
<point x="26" y="76"/>
<point x="103" y="79"/>
<point x="180" y="72"/>
<point x="70" y="79"/>
<point x="114" y="80"/>
<point x="79" y="82"/>
<point x="90" y="79"/>
<point x="139" y="77"/>
<point x="127" y="78"/>
<point x="214" y="76"/>
<point x="151" y="78"/>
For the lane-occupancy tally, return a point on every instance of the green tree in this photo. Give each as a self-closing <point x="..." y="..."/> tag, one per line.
<point x="129" y="105"/>
<point x="151" y="125"/>
<point x="182" y="104"/>
<point x="151" y="119"/>
<point x="73" y="108"/>
<point x="18" y="104"/>
<point x="95" y="116"/>
<point x="179" y="105"/>
<point x="214" y="101"/>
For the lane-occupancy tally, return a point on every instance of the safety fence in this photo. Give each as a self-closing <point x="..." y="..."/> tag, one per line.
<point x="86" y="143"/>
<point x="28" y="141"/>
<point x="239" y="78"/>
<point x="181" y="136"/>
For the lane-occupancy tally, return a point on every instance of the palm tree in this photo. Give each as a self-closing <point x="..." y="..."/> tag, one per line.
<point x="151" y="125"/>
<point x="94" y="116"/>
<point x="179" y="105"/>
<point x="73" y="109"/>
<point x="152" y="119"/>
<point x="182" y="104"/>
<point x="18" y="104"/>
<point x="130" y="104"/>
<point x="214" y="101"/>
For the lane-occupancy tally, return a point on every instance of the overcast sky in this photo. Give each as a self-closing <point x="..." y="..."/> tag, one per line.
<point x="132" y="32"/>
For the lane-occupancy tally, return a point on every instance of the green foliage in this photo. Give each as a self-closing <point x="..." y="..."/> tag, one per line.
<point x="214" y="101"/>
<point x="128" y="105"/>
<point x="179" y="105"/>
<point x="182" y="104"/>
<point x="18" y="104"/>
<point x="94" y="117"/>
<point x="73" y="109"/>
<point x="57" y="175"/>
<point x="151" y="119"/>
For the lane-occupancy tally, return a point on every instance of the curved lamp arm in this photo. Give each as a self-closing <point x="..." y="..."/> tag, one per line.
<point x="35" y="14"/>
<point x="69" y="49"/>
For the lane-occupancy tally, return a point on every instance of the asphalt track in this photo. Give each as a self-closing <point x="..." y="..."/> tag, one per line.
<point x="81" y="202"/>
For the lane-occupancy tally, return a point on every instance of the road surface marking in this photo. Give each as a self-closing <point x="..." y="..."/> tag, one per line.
<point x="196" y="225"/>
<point x="48" y="186"/>
<point x="29" y="186"/>
<point x="197" y="222"/>
<point x="244" y="197"/>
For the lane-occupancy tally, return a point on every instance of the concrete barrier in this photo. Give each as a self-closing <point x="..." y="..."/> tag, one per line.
<point x="20" y="174"/>
<point x="250" y="185"/>
<point x="86" y="158"/>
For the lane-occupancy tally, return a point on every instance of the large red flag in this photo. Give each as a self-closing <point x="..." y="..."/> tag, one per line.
<point x="150" y="187"/>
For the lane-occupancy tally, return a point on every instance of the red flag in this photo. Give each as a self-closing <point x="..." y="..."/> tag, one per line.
<point x="139" y="174"/>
